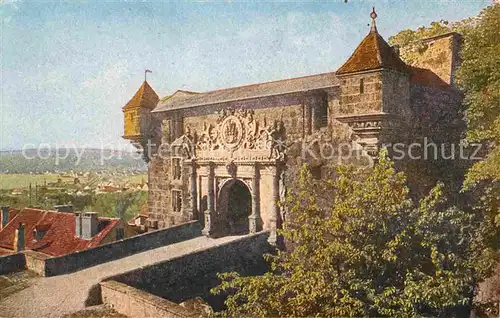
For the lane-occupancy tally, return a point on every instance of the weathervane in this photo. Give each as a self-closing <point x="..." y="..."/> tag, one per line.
<point x="145" y="73"/>
<point x="373" y="15"/>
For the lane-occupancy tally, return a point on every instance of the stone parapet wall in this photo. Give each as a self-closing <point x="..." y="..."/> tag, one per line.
<point x="194" y="274"/>
<point x="45" y="265"/>
<point x="133" y="302"/>
<point x="12" y="263"/>
<point x="115" y="250"/>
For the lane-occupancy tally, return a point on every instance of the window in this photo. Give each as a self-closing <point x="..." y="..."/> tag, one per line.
<point x="176" y="168"/>
<point x="120" y="234"/>
<point x="38" y="235"/>
<point x="176" y="200"/>
<point x="362" y="86"/>
<point x="321" y="113"/>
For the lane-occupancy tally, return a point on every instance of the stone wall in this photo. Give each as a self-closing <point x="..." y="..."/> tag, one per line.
<point x="119" y="249"/>
<point x="435" y="109"/>
<point x="133" y="302"/>
<point x="35" y="262"/>
<point x="440" y="54"/>
<point x="12" y="263"/>
<point x="360" y="94"/>
<point x="193" y="275"/>
<point x="45" y="265"/>
<point x="396" y="94"/>
<point x="437" y="120"/>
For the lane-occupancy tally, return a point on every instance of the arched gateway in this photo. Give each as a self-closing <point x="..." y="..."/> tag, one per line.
<point x="235" y="168"/>
<point x="234" y="207"/>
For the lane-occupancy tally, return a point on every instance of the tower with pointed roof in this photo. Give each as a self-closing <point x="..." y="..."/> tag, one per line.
<point x="137" y="114"/>
<point x="374" y="89"/>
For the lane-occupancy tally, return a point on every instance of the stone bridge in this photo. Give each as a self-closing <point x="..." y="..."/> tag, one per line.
<point x="59" y="295"/>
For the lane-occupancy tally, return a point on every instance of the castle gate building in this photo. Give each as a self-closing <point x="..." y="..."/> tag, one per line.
<point x="226" y="157"/>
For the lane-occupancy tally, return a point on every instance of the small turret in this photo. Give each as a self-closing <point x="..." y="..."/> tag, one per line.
<point x="137" y="112"/>
<point x="374" y="89"/>
<point x="137" y="117"/>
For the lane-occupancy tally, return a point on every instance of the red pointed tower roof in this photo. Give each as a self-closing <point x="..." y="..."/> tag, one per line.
<point x="372" y="53"/>
<point x="145" y="97"/>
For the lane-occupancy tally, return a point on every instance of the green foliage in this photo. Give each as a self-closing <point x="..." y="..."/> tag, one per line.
<point x="361" y="247"/>
<point x="124" y="204"/>
<point x="12" y="201"/>
<point x="17" y="180"/>
<point x="479" y="77"/>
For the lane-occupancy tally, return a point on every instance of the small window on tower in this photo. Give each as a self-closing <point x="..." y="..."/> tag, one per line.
<point x="362" y="86"/>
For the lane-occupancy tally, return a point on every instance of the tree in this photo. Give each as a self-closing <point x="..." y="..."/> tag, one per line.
<point x="361" y="247"/>
<point x="479" y="77"/>
<point x="118" y="204"/>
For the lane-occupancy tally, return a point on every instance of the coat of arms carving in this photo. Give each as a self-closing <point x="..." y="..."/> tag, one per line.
<point x="231" y="132"/>
<point x="237" y="134"/>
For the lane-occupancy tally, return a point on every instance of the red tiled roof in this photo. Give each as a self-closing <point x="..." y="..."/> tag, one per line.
<point x="13" y="213"/>
<point x="426" y="77"/>
<point x="59" y="238"/>
<point x="372" y="53"/>
<point x="144" y="97"/>
<point x="5" y="252"/>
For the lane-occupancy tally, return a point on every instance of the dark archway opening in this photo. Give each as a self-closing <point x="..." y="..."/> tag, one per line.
<point x="237" y="209"/>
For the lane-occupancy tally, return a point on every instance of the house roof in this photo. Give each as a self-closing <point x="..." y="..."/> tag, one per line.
<point x="144" y="97"/>
<point x="184" y="99"/>
<point x="59" y="238"/>
<point x="12" y="214"/>
<point x="371" y="54"/>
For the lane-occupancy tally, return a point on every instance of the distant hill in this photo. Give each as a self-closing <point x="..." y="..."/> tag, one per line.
<point x="82" y="159"/>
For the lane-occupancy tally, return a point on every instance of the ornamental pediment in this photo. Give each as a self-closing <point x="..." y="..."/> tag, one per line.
<point x="237" y="134"/>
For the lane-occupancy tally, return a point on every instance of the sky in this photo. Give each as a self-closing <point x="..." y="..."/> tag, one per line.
<point x="67" y="68"/>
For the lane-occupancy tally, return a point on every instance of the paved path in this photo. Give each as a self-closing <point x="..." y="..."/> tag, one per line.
<point x="59" y="295"/>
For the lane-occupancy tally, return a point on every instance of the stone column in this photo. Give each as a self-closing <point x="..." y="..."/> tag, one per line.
<point x="254" y="220"/>
<point x="276" y="210"/>
<point x="194" y="189"/>
<point x="209" y="212"/>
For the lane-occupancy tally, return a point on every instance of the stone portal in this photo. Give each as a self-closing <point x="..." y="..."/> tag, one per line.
<point x="235" y="206"/>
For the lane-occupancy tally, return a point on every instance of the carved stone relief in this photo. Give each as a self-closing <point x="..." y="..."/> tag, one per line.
<point x="239" y="135"/>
